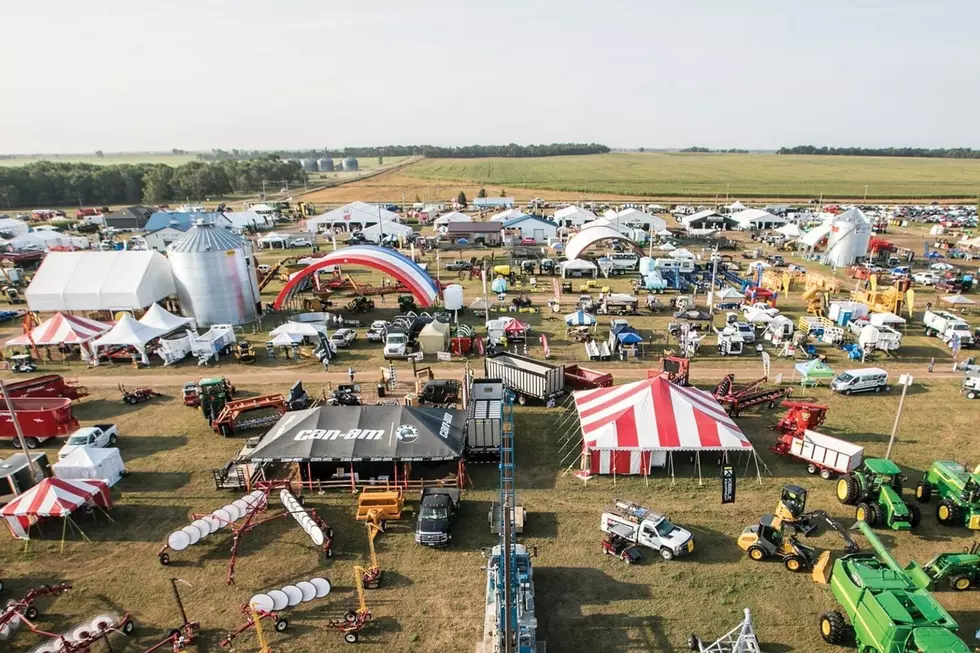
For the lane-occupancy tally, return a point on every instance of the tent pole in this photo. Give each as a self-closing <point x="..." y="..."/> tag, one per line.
<point x="614" y="467"/>
<point x="758" y="474"/>
<point x="353" y="487"/>
<point x="64" y="530"/>
<point x="646" y="469"/>
<point x="670" y="456"/>
<point x="697" y="461"/>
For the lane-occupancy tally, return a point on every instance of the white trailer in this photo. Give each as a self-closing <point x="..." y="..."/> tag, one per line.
<point x="824" y="454"/>
<point x="484" y="420"/>
<point x="944" y="325"/>
<point x="527" y="377"/>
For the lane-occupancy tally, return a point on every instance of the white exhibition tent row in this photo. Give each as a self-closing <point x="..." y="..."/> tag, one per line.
<point x="574" y="216"/>
<point x="757" y="219"/>
<point x="48" y="238"/>
<point x="637" y="218"/>
<point x="96" y="281"/>
<point x="273" y="239"/>
<point x="359" y="213"/>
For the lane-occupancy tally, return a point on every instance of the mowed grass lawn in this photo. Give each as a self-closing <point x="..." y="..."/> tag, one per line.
<point x="707" y="175"/>
<point x="433" y="599"/>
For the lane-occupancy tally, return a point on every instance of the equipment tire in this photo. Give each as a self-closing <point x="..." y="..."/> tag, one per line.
<point x="811" y="469"/>
<point x="666" y="554"/>
<point x="923" y="492"/>
<point x="31" y="613"/>
<point x="694" y="643"/>
<point x="350" y="616"/>
<point x="794" y="563"/>
<point x="947" y="513"/>
<point x="971" y="395"/>
<point x="961" y="582"/>
<point x="350" y="637"/>
<point x="281" y="625"/>
<point x="757" y="553"/>
<point x="32" y="443"/>
<point x="864" y="513"/>
<point x="848" y="490"/>
<point x="915" y="515"/>
<point x="874" y="514"/>
<point x="833" y="628"/>
<point x="826" y="474"/>
<point x="128" y="627"/>
<point x="164" y="559"/>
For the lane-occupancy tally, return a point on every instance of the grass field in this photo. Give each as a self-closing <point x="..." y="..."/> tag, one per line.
<point x="110" y="158"/>
<point x="708" y="175"/>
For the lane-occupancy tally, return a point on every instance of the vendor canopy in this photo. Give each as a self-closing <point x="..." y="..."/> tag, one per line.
<point x="656" y="415"/>
<point x="61" y="329"/>
<point x="363" y="433"/>
<point x="53" y="497"/>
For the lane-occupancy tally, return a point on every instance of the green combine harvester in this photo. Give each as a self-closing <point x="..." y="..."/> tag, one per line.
<point x="875" y="488"/>
<point x="889" y="612"/>
<point x="958" y="491"/>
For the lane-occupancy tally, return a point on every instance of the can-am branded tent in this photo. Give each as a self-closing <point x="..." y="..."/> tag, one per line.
<point x="53" y="497"/>
<point x="628" y="429"/>
<point x="363" y="433"/>
<point x="91" y="463"/>
<point x="62" y="329"/>
<point x="94" y="281"/>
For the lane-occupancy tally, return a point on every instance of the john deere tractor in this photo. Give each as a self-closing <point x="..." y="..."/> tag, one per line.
<point x="876" y="489"/>
<point x="962" y="570"/>
<point x="887" y="610"/>
<point x="958" y="491"/>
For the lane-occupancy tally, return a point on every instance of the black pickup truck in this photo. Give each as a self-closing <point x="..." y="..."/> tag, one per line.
<point x="440" y="392"/>
<point x="437" y="512"/>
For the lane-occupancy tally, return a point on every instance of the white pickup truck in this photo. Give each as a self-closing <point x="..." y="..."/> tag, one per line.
<point x="944" y="325"/>
<point x="647" y="528"/>
<point x="95" y="437"/>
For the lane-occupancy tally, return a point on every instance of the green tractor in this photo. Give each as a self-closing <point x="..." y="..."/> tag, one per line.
<point x="876" y="489"/>
<point x="962" y="570"/>
<point x="958" y="491"/>
<point x="360" y="304"/>
<point x="888" y="611"/>
<point x="406" y="303"/>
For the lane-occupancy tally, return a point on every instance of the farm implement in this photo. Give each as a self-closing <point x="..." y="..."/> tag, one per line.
<point x="231" y="419"/>
<point x="269" y="605"/>
<point x="181" y="637"/>
<point x="740" y="397"/>
<point x="23" y="611"/>
<point x="354" y="620"/>
<point x="958" y="491"/>
<point x="875" y="488"/>
<point x="245" y="514"/>
<point x="137" y="396"/>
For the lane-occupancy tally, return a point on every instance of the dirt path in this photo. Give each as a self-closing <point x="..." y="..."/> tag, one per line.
<point x="243" y="378"/>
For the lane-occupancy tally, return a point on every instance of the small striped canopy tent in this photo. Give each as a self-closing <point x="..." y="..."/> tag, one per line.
<point x="62" y="329"/>
<point x="53" y="497"/>
<point x="627" y="429"/>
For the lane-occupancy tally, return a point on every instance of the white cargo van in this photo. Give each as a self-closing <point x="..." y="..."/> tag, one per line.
<point x="863" y="380"/>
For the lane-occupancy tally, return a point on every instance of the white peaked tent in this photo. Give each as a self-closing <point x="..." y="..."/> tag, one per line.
<point x="635" y="217"/>
<point x="158" y="318"/>
<point x="507" y="216"/>
<point x="127" y="332"/>
<point x="91" y="463"/>
<point x="375" y="233"/>
<point x="452" y="216"/>
<point x="574" y="216"/>
<point x="728" y="293"/>
<point x="790" y="231"/>
<point x="736" y="206"/>
<point x="578" y="265"/>
<point x="303" y="329"/>
<point x="273" y="239"/>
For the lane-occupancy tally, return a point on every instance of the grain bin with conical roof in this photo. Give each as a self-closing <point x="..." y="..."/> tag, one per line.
<point x="215" y="276"/>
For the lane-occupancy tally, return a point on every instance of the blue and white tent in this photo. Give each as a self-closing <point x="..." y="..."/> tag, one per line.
<point x="580" y="318"/>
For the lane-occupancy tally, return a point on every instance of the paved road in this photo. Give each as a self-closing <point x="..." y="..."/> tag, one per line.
<point x="243" y="377"/>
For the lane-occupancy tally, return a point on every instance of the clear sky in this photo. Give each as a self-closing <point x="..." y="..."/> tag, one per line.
<point x="128" y="75"/>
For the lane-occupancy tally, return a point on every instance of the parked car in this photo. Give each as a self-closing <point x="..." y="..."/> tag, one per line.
<point x="300" y="242"/>
<point x="377" y="331"/>
<point x="437" y="512"/>
<point x="94" y="437"/>
<point x="925" y="278"/>
<point x="458" y="264"/>
<point x="343" y="337"/>
<point x="528" y="241"/>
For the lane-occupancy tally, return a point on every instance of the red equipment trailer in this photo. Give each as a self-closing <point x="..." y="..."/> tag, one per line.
<point x="740" y="397"/>
<point x="581" y="378"/>
<point x="40" y="419"/>
<point x="47" y="386"/>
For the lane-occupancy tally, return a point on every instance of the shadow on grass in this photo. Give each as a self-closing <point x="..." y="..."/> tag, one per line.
<point x="606" y="632"/>
<point x="136" y="448"/>
<point x="154" y="481"/>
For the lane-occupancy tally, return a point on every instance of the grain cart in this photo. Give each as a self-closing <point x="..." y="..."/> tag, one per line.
<point x="962" y="570"/>
<point x="958" y="491"/>
<point x="876" y="489"/>
<point x="888" y="612"/>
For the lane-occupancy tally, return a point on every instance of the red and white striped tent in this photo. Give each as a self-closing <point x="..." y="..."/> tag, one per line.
<point x="62" y="329"/>
<point x="53" y="497"/>
<point x="627" y="429"/>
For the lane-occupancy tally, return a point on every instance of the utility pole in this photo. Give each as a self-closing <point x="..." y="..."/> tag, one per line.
<point x="905" y="380"/>
<point x="711" y="292"/>
<point x="35" y="470"/>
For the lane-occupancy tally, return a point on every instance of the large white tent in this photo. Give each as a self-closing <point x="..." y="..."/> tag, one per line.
<point x="578" y="265"/>
<point x="45" y="239"/>
<point x="452" y="216"/>
<point x="376" y="232"/>
<point x="304" y="329"/>
<point x="13" y="227"/>
<point x="159" y="318"/>
<point x="91" y="281"/>
<point x="360" y="214"/>
<point x="588" y="237"/>
<point x="790" y="230"/>
<point x="128" y="332"/>
<point x="91" y="463"/>
<point x="506" y="216"/>
<point x="574" y="216"/>
<point x="637" y="218"/>
<point x="757" y="219"/>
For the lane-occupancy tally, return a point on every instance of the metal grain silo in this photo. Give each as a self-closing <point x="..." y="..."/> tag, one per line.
<point x="215" y="276"/>
<point x="325" y="164"/>
<point x="350" y="163"/>
<point x="309" y="165"/>
<point x="849" y="238"/>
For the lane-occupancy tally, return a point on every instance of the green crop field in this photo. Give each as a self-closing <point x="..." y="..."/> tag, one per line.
<point x="110" y="158"/>
<point x="708" y="175"/>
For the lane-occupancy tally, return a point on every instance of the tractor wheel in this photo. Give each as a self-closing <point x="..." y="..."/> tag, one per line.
<point x="757" y="553"/>
<point x="915" y="515"/>
<point x="947" y="513"/>
<point x="874" y="514"/>
<point x="864" y="513"/>
<point x="833" y="628"/>
<point x="666" y="554"/>
<point x="848" y="490"/>
<point x="350" y="616"/>
<point x="350" y="637"/>
<point x="811" y="469"/>
<point x="794" y="563"/>
<point x="826" y="474"/>
<point x="960" y="583"/>
<point x="923" y="492"/>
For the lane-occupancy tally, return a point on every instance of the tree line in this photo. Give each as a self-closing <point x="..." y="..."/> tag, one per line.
<point x="49" y="183"/>
<point x="511" y="150"/>
<point x="708" y="150"/>
<point x="916" y="152"/>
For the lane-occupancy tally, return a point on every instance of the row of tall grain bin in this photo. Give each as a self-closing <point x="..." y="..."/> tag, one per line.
<point x="326" y="164"/>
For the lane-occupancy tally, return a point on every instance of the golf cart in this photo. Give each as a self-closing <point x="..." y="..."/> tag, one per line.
<point x="22" y="364"/>
<point x="620" y="547"/>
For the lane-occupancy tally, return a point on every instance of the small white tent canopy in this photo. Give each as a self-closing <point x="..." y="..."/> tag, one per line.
<point x="757" y="219"/>
<point x="589" y="237"/>
<point x="728" y="293"/>
<point x="304" y="329"/>
<point x="434" y="337"/>
<point x="506" y="216"/>
<point x="574" y="216"/>
<point x="885" y="319"/>
<point x="578" y="265"/>
<point x="158" y="318"/>
<point x="92" y="281"/>
<point x="452" y="216"/>
<point x="790" y="231"/>
<point x="286" y="339"/>
<point x="273" y="239"/>
<point x="681" y="252"/>
<point x="956" y="300"/>
<point x="128" y="332"/>
<point x="375" y="233"/>
<point x="736" y="206"/>
<point x="87" y="462"/>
